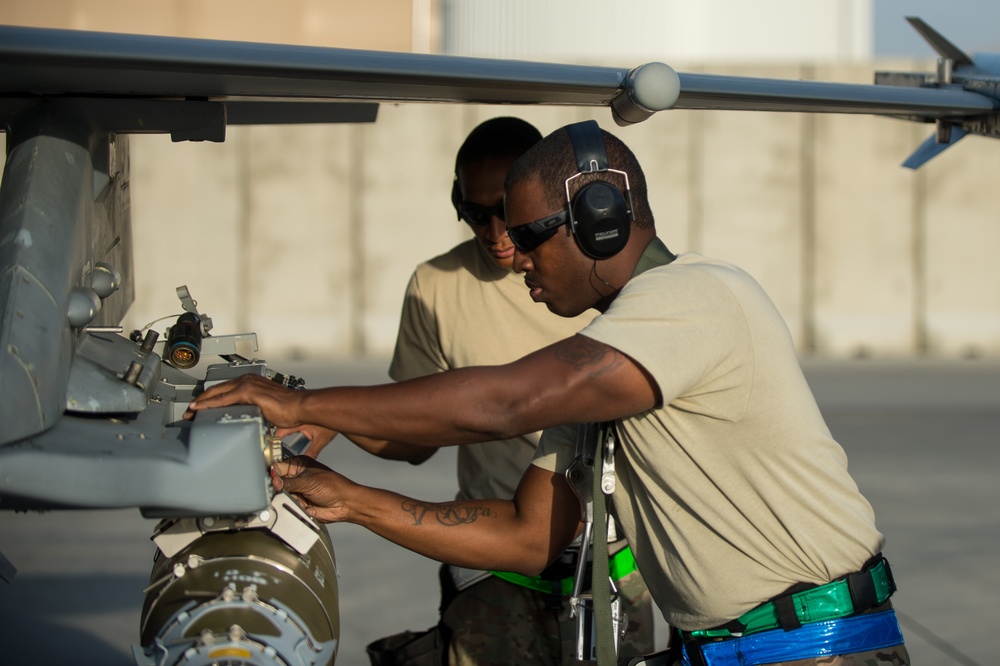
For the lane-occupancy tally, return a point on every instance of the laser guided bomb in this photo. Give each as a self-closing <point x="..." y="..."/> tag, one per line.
<point x="241" y="588"/>
<point x="245" y="589"/>
<point x="256" y="590"/>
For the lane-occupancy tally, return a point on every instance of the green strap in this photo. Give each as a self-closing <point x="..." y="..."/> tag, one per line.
<point x="620" y="565"/>
<point x="562" y="587"/>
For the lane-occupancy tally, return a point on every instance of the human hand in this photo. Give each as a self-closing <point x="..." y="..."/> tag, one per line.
<point x="277" y="403"/>
<point x="314" y="486"/>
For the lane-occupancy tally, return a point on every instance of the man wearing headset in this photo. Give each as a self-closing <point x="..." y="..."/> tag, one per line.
<point x="466" y="308"/>
<point x="754" y="540"/>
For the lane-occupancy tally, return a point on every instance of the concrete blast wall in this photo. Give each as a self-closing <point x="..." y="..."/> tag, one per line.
<point x="307" y="235"/>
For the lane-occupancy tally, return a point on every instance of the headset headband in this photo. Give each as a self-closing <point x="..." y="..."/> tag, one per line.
<point x="588" y="145"/>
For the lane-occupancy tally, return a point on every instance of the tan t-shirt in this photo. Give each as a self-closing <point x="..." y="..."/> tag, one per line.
<point x="734" y="490"/>
<point x="461" y="310"/>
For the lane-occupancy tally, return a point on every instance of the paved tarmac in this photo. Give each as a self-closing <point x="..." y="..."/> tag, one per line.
<point x="922" y="438"/>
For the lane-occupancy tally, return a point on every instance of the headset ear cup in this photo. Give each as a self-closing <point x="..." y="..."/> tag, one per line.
<point x="456" y="197"/>
<point x="601" y="220"/>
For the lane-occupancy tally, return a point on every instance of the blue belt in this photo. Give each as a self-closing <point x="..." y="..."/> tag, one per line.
<point x="859" y="633"/>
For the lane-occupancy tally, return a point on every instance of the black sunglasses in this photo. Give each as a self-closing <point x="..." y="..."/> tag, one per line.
<point x="529" y="236"/>
<point x="478" y="215"/>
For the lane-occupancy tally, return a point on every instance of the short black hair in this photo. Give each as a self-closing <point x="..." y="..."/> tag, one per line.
<point x="552" y="161"/>
<point x="497" y="138"/>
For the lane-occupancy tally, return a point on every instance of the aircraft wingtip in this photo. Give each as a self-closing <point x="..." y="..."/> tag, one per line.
<point x="649" y="88"/>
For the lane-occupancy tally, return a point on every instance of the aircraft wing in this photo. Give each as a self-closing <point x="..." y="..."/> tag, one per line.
<point x="708" y="91"/>
<point x="74" y="63"/>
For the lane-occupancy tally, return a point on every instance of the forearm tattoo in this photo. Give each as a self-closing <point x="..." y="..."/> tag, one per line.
<point x="449" y="514"/>
<point x="584" y="353"/>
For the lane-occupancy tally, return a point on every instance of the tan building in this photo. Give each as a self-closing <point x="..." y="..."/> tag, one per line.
<point x="384" y="25"/>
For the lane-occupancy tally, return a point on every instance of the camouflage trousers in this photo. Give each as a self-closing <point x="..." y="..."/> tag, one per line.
<point x="496" y="623"/>
<point x="890" y="656"/>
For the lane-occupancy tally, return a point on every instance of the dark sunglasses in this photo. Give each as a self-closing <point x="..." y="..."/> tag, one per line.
<point x="529" y="236"/>
<point x="479" y="215"/>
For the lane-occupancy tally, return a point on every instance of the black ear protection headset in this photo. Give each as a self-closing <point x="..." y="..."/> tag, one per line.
<point x="600" y="214"/>
<point x="456" y="195"/>
<point x="474" y="214"/>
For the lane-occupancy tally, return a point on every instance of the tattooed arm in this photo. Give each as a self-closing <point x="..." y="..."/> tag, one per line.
<point x="522" y="535"/>
<point x="574" y="380"/>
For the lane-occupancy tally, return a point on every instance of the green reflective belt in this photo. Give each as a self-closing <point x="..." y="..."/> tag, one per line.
<point x="620" y="565"/>
<point x="826" y="602"/>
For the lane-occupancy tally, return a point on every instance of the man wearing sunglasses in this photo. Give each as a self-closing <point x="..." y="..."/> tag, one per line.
<point x="464" y="308"/>
<point x="753" y="538"/>
<point x="467" y="308"/>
